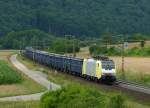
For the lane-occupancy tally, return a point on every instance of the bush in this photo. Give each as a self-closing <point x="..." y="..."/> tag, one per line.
<point x="76" y="96"/>
<point x="96" y="50"/>
<point x="100" y="50"/>
<point x="61" y="46"/>
<point x="138" y="51"/>
<point x="113" y="51"/>
<point x="7" y="74"/>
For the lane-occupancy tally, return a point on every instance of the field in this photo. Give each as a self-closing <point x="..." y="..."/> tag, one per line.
<point x="26" y="86"/>
<point x="137" y="69"/>
<point x="66" y="79"/>
<point x="33" y="104"/>
<point x="134" y="64"/>
<point x="5" y="54"/>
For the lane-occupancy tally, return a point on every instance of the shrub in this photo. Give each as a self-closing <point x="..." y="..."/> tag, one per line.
<point x="62" y="46"/>
<point x="76" y="96"/>
<point x="100" y="50"/>
<point x="113" y="51"/>
<point x="7" y="74"/>
<point x="97" y="50"/>
<point x="138" y="51"/>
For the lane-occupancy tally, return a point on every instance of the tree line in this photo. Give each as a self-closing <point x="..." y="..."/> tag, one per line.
<point x="21" y="39"/>
<point x="39" y="40"/>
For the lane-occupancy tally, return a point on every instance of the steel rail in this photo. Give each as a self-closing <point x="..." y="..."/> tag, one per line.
<point x="133" y="86"/>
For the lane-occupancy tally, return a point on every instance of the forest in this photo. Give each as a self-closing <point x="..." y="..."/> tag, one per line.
<point x="83" y="18"/>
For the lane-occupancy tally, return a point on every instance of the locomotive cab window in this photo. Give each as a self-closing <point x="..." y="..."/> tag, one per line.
<point x="108" y="65"/>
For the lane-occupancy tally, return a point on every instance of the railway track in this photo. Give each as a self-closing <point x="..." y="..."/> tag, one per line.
<point x="120" y="85"/>
<point x="133" y="86"/>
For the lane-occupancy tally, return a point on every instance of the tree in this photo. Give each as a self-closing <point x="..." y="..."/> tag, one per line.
<point x="63" y="46"/>
<point x="107" y="39"/>
<point x="141" y="38"/>
<point x="15" y="40"/>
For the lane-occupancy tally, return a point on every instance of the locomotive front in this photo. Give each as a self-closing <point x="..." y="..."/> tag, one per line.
<point x="108" y="71"/>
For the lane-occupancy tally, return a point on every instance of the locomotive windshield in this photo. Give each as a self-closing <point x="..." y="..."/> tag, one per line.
<point x="108" y="65"/>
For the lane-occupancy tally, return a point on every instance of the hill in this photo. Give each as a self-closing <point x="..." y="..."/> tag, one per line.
<point x="79" y="17"/>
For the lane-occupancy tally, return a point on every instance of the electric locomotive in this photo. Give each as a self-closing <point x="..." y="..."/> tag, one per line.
<point x="91" y="68"/>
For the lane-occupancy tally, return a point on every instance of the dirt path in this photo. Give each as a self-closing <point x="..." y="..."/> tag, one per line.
<point x="38" y="77"/>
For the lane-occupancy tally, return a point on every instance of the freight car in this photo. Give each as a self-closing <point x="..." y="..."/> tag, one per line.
<point x="96" y="69"/>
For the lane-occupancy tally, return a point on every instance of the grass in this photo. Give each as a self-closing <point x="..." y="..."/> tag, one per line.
<point x="8" y="75"/>
<point x="24" y="87"/>
<point x="31" y="104"/>
<point x="139" y="77"/>
<point x="66" y="80"/>
<point x="136" y="105"/>
<point x="30" y="64"/>
<point x="27" y="86"/>
<point x="37" y="104"/>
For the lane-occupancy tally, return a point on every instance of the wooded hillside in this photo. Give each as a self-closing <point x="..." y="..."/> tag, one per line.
<point x="78" y="17"/>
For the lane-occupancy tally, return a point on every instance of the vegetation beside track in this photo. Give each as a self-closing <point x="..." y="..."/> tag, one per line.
<point x="139" y="77"/>
<point x="65" y="80"/>
<point x="77" y="96"/>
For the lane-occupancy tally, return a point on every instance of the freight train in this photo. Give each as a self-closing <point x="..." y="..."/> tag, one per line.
<point x="97" y="69"/>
